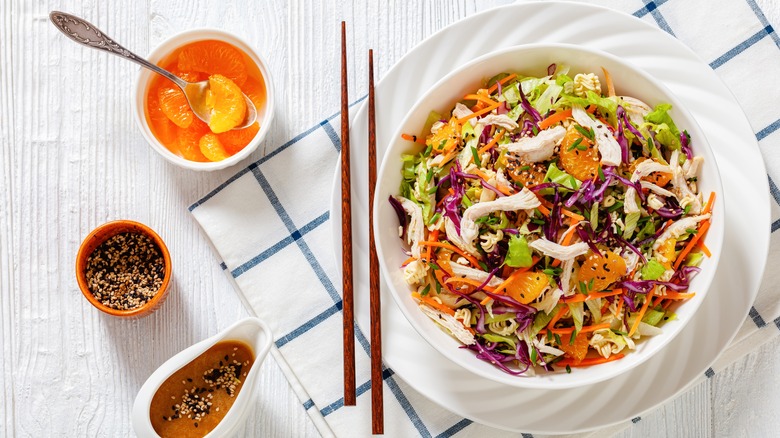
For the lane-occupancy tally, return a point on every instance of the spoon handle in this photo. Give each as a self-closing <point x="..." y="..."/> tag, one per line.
<point x="86" y="34"/>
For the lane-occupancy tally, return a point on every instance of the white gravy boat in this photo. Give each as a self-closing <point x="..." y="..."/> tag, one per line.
<point x="251" y="331"/>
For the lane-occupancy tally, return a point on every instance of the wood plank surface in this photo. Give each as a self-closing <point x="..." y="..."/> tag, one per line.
<point x="72" y="158"/>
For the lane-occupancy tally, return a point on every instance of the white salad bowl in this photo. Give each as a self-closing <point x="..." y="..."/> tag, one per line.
<point x="251" y="331"/>
<point x="533" y="60"/>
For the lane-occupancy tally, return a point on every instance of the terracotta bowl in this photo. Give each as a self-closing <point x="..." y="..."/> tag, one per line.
<point x="100" y="235"/>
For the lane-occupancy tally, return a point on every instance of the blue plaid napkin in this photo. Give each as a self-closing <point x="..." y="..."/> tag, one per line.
<point x="273" y="236"/>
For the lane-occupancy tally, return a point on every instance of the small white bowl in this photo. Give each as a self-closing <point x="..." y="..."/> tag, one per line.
<point x="265" y="114"/>
<point x="533" y="59"/>
<point x="251" y="331"/>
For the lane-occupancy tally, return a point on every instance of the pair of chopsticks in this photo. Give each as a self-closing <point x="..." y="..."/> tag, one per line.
<point x="377" y="406"/>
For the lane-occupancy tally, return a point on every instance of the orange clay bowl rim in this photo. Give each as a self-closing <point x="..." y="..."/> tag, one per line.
<point x="95" y="239"/>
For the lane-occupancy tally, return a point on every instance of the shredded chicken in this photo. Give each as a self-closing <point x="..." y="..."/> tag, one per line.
<point x="538" y="148"/>
<point x="455" y="327"/>
<point x="524" y="200"/>
<point x="642" y="170"/>
<point x="567" y="268"/>
<point x="557" y="251"/>
<point x="415" y="233"/>
<point x="606" y="144"/>
<point x="454" y="237"/>
<point x="636" y="110"/>
<point x="501" y="120"/>
<point x="474" y="274"/>
<point x="676" y="229"/>
<point x="684" y="193"/>
<point x="658" y="190"/>
<point x="461" y="111"/>
<point x="549" y="300"/>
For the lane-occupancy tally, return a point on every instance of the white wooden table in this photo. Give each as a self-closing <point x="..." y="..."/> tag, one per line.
<point x="72" y="159"/>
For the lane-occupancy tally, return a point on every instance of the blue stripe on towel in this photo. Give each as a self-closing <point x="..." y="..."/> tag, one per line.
<point x="457" y="427"/>
<point x="278" y="246"/>
<point x="652" y="9"/>
<point x="762" y="134"/>
<point x="762" y="18"/>
<point x="741" y="47"/>
<point x="648" y="7"/>
<point x="308" y="325"/>
<point x="756" y="317"/>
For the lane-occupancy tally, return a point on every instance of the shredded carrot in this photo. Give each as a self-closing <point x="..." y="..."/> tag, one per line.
<point x="610" y="85"/>
<point x="591" y="109"/>
<point x="544" y="210"/>
<point x="433" y="303"/>
<point x="584" y="329"/>
<point x="557" y="317"/>
<point x="453" y="248"/>
<point x="705" y="225"/>
<point x="580" y="297"/>
<point x="554" y="118"/>
<point x="434" y="238"/>
<point x="589" y="361"/>
<point x="619" y="307"/>
<point x="671" y="295"/>
<point x="710" y="202"/>
<point x="413" y="138"/>
<point x="704" y="248"/>
<point x="407" y="261"/>
<point x="474" y="283"/>
<point x="565" y="212"/>
<point x="479" y="98"/>
<point x="657" y="301"/>
<point x="494" y="87"/>
<point x="642" y="312"/>
<point x="492" y="142"/>
<point x="484" y="176"/>
<point x="478" y="113"/>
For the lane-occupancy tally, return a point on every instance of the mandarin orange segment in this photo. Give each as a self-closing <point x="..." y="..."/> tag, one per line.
<point x="603" y="269"/>
<point x="227" y="103"/>
<point x="189" y="141"/>
<point x="237" y="139"/>
<point x="214" y="57"/>
<point x="174" y="105"/>
<point x="579" y="160"/>
<point x="667" y="252"/>
<point x="255" y="91"/>
<point x="578" y="350"/>
<point x="161" y="126"/>
<point x="212" y="148"/>
<point x="527" y="286"/>
<point x="445" y="139"/>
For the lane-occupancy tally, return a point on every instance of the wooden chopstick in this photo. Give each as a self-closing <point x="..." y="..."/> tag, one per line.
<point x="377" y="402"/>
<point x="346" y="234"/>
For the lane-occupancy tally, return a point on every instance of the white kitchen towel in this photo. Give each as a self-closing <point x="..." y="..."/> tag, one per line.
<point x="273" y="235"/>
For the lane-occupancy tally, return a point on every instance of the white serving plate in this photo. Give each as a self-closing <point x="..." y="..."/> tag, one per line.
<point x="533" y="60"/>
<point x="745" y="246"/>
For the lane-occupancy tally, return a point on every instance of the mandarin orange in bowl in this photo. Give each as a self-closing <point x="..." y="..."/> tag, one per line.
<point x="233" y="69"/>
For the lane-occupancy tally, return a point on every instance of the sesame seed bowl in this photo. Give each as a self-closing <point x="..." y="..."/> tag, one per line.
<point x="123" y="268"/>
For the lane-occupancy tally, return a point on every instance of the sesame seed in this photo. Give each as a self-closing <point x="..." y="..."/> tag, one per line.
<point x="125" y="271"/>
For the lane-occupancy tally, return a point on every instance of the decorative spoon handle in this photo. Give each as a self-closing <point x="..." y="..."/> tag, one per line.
<point x="86" y="34"/>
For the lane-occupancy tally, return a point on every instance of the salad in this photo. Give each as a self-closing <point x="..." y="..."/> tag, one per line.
<point x="551" y="223"/>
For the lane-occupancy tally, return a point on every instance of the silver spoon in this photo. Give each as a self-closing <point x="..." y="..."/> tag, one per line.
<point x="88" y="35"/>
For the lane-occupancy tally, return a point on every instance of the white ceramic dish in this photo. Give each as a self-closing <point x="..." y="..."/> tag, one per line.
<point x="265" y="114"/>
<point x="532" y="60"/>
<point x="251" y="331"/>
<point x="745" y="246"/>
